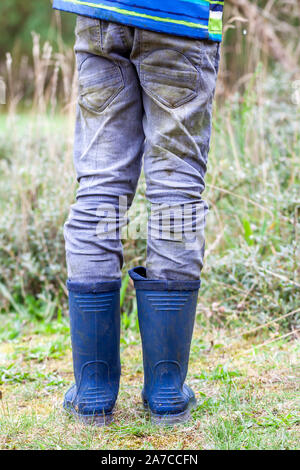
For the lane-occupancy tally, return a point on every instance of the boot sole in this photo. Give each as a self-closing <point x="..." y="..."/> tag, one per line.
<point x="91" y="420"/>
<point x="171" y="420"/>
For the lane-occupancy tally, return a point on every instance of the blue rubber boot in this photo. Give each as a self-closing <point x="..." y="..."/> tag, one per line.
<point x="166" y="311"/>
<point x="95" y="334"/>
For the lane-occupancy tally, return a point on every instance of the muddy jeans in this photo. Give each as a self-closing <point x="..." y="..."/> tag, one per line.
<point x="142" y="96"/>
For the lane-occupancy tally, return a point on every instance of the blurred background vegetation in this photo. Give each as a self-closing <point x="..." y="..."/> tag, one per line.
<point x="253" y="181"/>
<point x="255" y="31"/>
<point x="18" y="19"/>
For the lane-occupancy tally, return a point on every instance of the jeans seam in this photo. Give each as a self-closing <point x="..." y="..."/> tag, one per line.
<point x="124" y="37"/>
<point x="101" y="35"/>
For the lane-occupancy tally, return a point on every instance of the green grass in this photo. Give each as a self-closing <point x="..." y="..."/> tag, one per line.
<point x="246" y="400"/>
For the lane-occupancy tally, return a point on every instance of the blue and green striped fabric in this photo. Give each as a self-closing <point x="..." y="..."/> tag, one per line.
<point x="193" y="18"/>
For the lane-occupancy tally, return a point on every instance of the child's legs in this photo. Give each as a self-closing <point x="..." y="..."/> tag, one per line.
<point x="178" y="76"/>
<point x="108" y="150"/>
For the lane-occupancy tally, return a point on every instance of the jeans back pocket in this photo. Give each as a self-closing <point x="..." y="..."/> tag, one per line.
<point x="100" y="82"/>
<point x="170" y="77"/>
